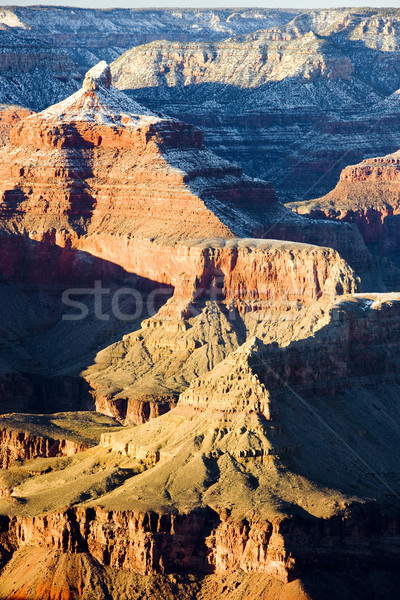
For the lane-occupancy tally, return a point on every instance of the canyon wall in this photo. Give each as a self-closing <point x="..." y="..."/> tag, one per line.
<point x="368" y="195"/>
<point x="18" y="446"/>
<point x="200" y="543"/>
<point x="296" y="128"/>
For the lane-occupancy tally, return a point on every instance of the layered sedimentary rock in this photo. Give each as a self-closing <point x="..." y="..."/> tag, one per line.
<point x="101" y="189"/>
<point x="367" y="194"/>
<point x="33" y="73"/>
<point x="91" y="35"/>
<point x="9" y="117"/>
<point x="248" y="471"/>
<point x="251" y="370"/>
<point x="293" y="104"/>
<point x="25" y="437"/>
<point x="99" y="174"/>
<point x="241" y="287"/>
<point x="311" y="100"/>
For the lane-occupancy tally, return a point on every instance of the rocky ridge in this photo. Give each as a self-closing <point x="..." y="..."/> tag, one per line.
<point x="245" y="441"/>
<point x="105" y="189"/>
<point x="367" y="194"/>
<point x="319" y="86"/>
<point x="26" y="437"/>
<point x="97" y="150"/>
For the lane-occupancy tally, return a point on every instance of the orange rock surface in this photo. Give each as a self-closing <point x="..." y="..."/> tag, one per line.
<point x="9" y="117"/>
<point x="368" y="195"/>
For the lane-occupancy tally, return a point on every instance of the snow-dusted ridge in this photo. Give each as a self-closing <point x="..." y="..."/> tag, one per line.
<point x="98" y="102"/>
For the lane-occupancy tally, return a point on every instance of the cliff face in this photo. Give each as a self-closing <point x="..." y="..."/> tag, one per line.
<point x="287" y="102"/>
<point x="154" y="158"/>
<point x="148" y="543"/>
<point x="293" y="96"/>
<point x="9" y="117"/>
<point x="99" y="188"/>
<point x="225" y="293"/>
<point x="100" y="174"/>
<point x="367" y="194"/>
<point x="90" y="35"/>
<point x="246" y="383"/>
<point x="17" y="446"/>
<point x="25" y="437"/>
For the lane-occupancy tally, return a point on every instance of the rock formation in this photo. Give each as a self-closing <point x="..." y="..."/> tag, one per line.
<point x="292" y="103"/>
<point x="25" y="437"/>
<point x="367" y="194"/>
<point x="316" y="95"/>
<point x="167" y="211"/>
<point x="9" y="117"/>
<point x="247" y="472"/>
<point x="123" y="183"/>
<point x="199" y="326"/>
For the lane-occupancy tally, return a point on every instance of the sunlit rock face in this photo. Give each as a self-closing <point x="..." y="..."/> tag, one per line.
<point x="367" y="194"/>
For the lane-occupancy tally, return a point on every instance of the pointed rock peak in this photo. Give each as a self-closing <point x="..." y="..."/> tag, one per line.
<point x="98" y="102"/>
<point x="98" y="76"/>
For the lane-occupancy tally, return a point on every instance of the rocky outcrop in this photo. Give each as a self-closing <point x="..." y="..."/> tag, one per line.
<point x="25" y="437"/>
<point x="260" y="394"/>
<point x="247" y="471"/>
<point x="368" y="195"/>
<point x="17" y="446"/>
<point x="131" y="409"/>
<point x="122" y="183"/>
<point x="100" y="189"/>
<point x="225" y="291"/>
<point x="90" y="35"/>
<point x="200" y="543"/>
<point x="293" y="104"/>
<point x="9" y="117"/>
<point x="311" y="100"/>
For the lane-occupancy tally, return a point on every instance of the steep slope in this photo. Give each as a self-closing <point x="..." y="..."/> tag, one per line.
<point x="25" y="437"/>
<point x="101" y="174"/>
<point x="100" y="191"/>
<point x="314" y="81"/>
<point x="91" y="35"/>
<point x="263" y="388"/>
<point x="34" y="73"/>
<point x="259" y="287"/>
<point x="46" y="50"/>
<point x="9" y="117"/>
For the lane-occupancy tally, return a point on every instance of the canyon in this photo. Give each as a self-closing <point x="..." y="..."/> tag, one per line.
<point x="320" y="90"/>
<point x="199" y="384"/>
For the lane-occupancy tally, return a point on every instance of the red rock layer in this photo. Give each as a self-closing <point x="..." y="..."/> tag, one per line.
<point x="148" y="543"/>
<point x="368" y="194"/>
<point x="133" y="410"/>
<point x="119" y="168"/>
<point x="100" y="173"/>
<point x="9" y="117"/>
<point x="18" y="445"/>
